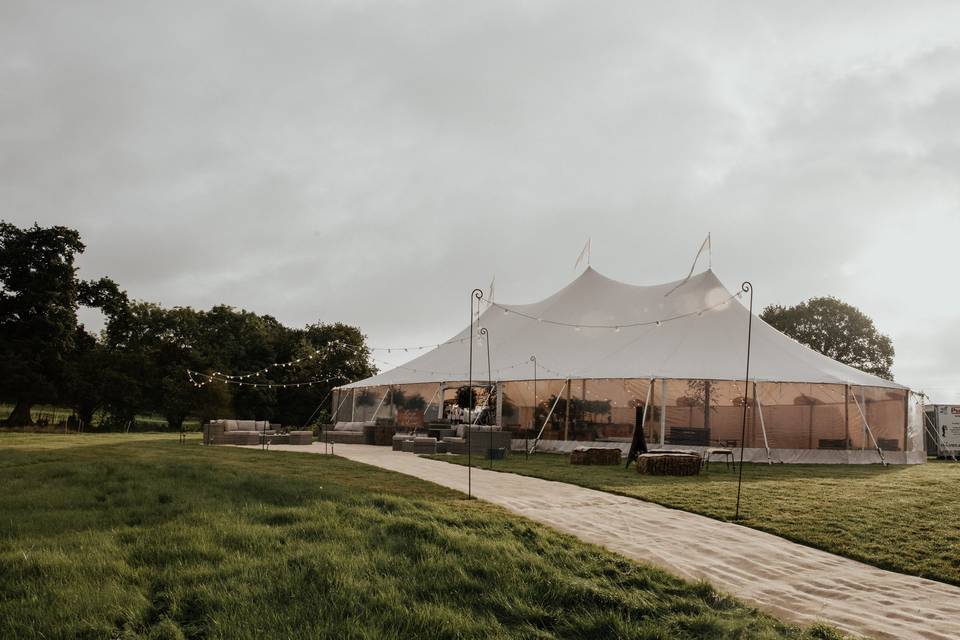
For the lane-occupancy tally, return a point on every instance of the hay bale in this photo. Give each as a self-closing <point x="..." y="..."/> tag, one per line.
<point x="595" y="455"/>
<point x="669" y="464"/>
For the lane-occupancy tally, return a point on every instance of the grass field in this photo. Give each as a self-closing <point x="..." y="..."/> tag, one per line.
<point x="904" y="518"/>
<point x="55" y="415"/>
<point x="129" y="536"/>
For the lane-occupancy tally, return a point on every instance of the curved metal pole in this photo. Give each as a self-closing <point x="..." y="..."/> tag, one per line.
<point x="526" y="445"/>
<point x="478" y="295"/>
<point x="746" y="287"/>
<point x="485" y="332"/>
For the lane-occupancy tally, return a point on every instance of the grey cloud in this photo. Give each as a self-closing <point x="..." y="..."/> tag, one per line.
<point x="373" y="162"/>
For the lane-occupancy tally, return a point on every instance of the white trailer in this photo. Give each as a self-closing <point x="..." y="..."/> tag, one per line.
<point x="943" y="423"/>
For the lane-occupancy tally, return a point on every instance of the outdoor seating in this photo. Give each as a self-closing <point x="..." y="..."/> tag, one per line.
<point x="595" y="455"/>
<point x="693" y="436"/>
<point x="455" y="445"/>
<point x="482" y="440"/>
<point x="301" y="437"/>
<point x="347" y="433"/>
<point x="379" y="434"/>
<point x="440" y="432"/>
<point x="424" y="445"/>
<point x="242" y="432"/>
<point x="661" y="463"/>
<point x="279" y="438"/>
<point x="726" y="454"/>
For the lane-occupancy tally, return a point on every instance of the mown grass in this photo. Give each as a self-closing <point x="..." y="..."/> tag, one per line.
<point x="132" y="536"/>
<point x="56" y="415"/>
<point x="903" y="518"/>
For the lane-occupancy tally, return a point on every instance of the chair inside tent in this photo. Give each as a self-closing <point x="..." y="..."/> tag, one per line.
<point x="593" y="360"/>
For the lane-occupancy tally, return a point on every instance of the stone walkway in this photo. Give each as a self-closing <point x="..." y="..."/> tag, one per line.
<point x="791" y="581"/>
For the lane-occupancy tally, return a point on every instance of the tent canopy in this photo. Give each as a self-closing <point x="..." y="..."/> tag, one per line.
<point x="598" y="328"/>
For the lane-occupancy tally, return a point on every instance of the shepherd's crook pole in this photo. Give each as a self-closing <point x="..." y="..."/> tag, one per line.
<point x="484" y="332"/>
<point x="478" y="294"/>
<point x="746" y="287"/>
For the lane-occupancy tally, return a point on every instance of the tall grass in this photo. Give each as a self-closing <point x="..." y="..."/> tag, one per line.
<point x="139" y="537"/>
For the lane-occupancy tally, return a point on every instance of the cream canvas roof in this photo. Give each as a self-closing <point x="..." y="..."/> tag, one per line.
<point x="597" y="327"/>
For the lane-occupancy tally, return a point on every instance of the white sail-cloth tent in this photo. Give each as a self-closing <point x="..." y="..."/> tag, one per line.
<point x="604" y="348"/>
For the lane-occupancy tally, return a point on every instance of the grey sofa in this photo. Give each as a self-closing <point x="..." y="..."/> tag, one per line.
<point x="237" y="431"/>
<point x="347" y="433"/>
<point x="482" y="439"/>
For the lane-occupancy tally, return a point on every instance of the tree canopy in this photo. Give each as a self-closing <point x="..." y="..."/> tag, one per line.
<point x="138" y="363"/>
<point x="838" y="330"/>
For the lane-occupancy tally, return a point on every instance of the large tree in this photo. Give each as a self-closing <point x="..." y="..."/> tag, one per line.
<point x="38" y="313"/>
<point x="139" y="362"/>
<point x="838" y="330"/>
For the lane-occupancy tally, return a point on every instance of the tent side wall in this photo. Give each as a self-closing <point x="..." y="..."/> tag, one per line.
<point x="799" y="422"/>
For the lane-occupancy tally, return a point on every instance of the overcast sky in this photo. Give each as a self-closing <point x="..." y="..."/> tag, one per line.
<point x="374" y="162"/>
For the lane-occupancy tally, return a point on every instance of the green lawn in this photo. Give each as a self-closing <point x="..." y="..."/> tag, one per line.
<point x="127" y="536"/>
<point x="56" y="415"/>
<point x="904" y="518"/>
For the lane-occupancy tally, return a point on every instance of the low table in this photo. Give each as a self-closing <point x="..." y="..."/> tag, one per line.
<point x="727" y="454"/>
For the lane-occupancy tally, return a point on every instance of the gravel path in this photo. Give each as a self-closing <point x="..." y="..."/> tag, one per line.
<point x="791" y="581"/>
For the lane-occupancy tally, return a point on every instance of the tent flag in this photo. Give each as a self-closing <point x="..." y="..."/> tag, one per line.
<point x="585" y="252"/>
<point x="706" y="245"/>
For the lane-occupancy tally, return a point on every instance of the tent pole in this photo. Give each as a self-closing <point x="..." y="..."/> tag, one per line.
<point x="377" y="410"/>
<point x="867" y="427"/>
<point x="343" y="399"/>
<point x="427" y="408"/>
<point x="663" y="413"/>
<point x="763" y="427"/>
<point x="440" y="402"/>
<point x="544" y="426"/>
<point x="906" y="419"/>
<point x="566" y="417"/>
<point x="353" y="405"/>
<point x="846" y="415"/>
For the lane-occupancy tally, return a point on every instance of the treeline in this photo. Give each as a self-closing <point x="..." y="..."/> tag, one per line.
<point x="138" y="363"/>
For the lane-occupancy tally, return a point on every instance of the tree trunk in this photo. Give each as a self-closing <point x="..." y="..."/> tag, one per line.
<point x="20" y="417"/>
<point x="84" y="414"/>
